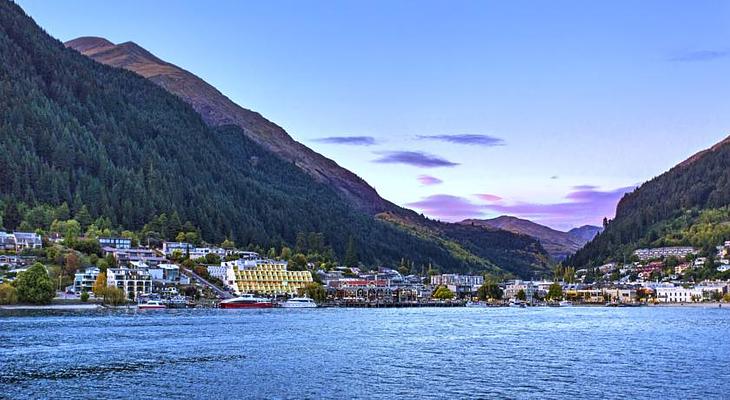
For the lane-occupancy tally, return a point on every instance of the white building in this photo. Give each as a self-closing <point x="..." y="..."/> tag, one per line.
<point x="115" y="242"/>
<point x="165" y="273"/>
<point x="132" y="281"/>
<point x="659" y="252"/>
<point x="678" y="294"/>
<point x="200" y="252"/>
<point x="170" y="247"/>
<point x="84" y="281"/>
<point x="7" y="241"/>
<point x="225" y="273"/>
<point x="27" y="240"/>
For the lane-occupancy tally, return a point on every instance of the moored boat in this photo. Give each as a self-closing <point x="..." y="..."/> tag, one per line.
<point x="566" y="303"/>
<point x="299" y="302"/>
<point x="517" y="303"/>
<point x="247" y="301"/>
<point x="151" y="305"/>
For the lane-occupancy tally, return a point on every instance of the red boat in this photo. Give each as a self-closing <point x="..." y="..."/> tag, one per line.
<point x="247" y="301"/>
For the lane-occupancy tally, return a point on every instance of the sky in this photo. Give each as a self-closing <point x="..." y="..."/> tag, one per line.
<point x="546" y="110"/>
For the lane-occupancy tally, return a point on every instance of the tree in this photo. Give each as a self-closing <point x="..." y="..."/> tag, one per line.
<point x="212" y="258"/>
<point x="490" y="290"/>
<point x="84" y="296"/>
<point x="521" y="295"/>
<point x="555" y="292"/>
<point x="443" y="293"/>
<point x="298" y="262"/>
<point x="285" y="253"/>
<point x="315" y="291"/>
<point x="351" y="259"/>
<point x="71" y="263"/>
<point x="228" y="244"/>
<point x="180" y="237"/>
<point x="114" y="296"/>
<point x="8" y="294"/>
<point x="99" y="285"/>
<point x="35" y="286"/>
<point x="11" y="215"/>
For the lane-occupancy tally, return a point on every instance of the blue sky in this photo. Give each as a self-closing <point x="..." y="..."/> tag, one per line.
<point x="545" y="110"/>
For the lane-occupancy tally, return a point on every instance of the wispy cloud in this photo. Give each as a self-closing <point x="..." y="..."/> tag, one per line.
<point x="477" y="140"/>
<point x="447" y="207"/>
<point x="348" y="140"/>
<point x="429" y="180"/>
<point x="488" y="197"/>
<point x="414" y="158"/>
<point x="700" y="55"/>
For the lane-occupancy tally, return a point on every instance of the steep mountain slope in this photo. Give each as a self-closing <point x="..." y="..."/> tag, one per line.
<point x="217" y="110"/>
<point x="77" y="131"/>
<point x="585" y="233"/>
<point x="701" y="182"/>
<point x="558" y="244"/>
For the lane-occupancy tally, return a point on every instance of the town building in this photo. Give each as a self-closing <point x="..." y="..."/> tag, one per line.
<point x="125" y="257"/>
<point x="115" y="242"/>
<point x="170" y="247"/>
<point x="133" y="282"/>
<point x="167" y="273"/>
<point x="84" y="280"/>
<point x="27" y="240"/>
<point x="200" y="252"/>
<point x="460" y="285"/>
<point x="7" y="241"/>
<point x="263" y="276"/>
<point x="677" y="294"/>
<point x="659" y="252"/>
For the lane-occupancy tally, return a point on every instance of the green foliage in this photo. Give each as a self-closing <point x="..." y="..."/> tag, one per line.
<point x="521" y="295"/>
<point x="443" y="293"/>
<point x="315" y="291"/>
<point x="35" y="286"/>
<point x="555" y="292"/>
<point x="84" y="297"/>
<point x="114" y="296"/>
<point x="490" y="290"/>
<point x="8" y="294"/>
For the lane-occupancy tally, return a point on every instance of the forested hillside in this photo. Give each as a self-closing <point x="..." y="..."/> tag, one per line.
<point x="661" y="209"/>
<point x="78" y="132"/>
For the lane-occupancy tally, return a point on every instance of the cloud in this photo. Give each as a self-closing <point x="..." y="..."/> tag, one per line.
<point x="584" y="205"/>
<point x="348" y="140"/>
<point x="585" y="187"/>
<point x="414" y="158"/>
<point x="447" y="207"/>
<point x="488" y="197"/>
<point x="478" y="140"/>
<point x="429" y="180"/>
<point x="554" y="177"/>
<point x="700" y="55"/>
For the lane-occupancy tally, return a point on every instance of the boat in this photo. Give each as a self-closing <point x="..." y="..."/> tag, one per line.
<point x="475" y="304"/>
<point x="177" y="302"/>
<point x="247" y="301"/>
<point x="517" y="303"/>
<point x="298" y="302"/>
<point x="151" y="305"/>
<point x="566" y="303"/>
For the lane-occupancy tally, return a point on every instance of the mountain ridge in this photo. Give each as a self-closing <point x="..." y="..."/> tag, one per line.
<point x="217" y="110"/>
<point x="557" y="243"/>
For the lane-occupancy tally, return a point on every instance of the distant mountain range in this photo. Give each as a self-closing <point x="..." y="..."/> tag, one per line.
<point x="557" y="243"/>
<point x="684" y="206"/>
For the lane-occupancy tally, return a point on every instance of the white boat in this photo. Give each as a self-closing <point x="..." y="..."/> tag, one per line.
<point x="566" y="303"/>
<point x="517" y="303"/>
<point x="475" y="304"/>
<point x="151" y="305"/>
<point x="298" y="302"/>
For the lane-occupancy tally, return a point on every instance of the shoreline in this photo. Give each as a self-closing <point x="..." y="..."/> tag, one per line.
<point x="52" y="307"/>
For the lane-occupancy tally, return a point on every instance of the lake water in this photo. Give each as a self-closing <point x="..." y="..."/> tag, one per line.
<point x="367" y="353"/>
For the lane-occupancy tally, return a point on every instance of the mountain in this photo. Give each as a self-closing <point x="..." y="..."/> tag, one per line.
<point x="218" y="110"/>
<point x="126" y="153"/>
<point x="557" y="243"/>
<point x="684" y="206"/>
<point x="585" y="233"/>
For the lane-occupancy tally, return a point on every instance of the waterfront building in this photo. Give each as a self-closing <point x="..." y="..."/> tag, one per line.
<point x="27" y="240"/>
<point x="457" y="283"/>
<point x="659" y="252"/>
<point x="164" y="272"/>
<point x="133" y="282"/>
<point x="115" y="242"/>
<point x="262" y="276"/>
<point x="677" y="294"/>
<point x="84" y="280"/>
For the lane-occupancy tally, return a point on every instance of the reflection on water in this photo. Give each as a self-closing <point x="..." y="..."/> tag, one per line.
<point x="366" y="353"/>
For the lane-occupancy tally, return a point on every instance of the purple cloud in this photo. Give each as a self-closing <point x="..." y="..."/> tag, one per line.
<point x="447" y="207"/>
<point x="586" y="205"/>
<point x="488" y="197"/>
<point x="348" y="140"/>
<point x="429" y="180"/>
<point x="414" y="158"/>
<point x="478" y="140"/>
<point x="700" y="55"/>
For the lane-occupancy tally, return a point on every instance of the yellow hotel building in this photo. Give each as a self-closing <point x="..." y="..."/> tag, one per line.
<point x="269" y="277"/>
